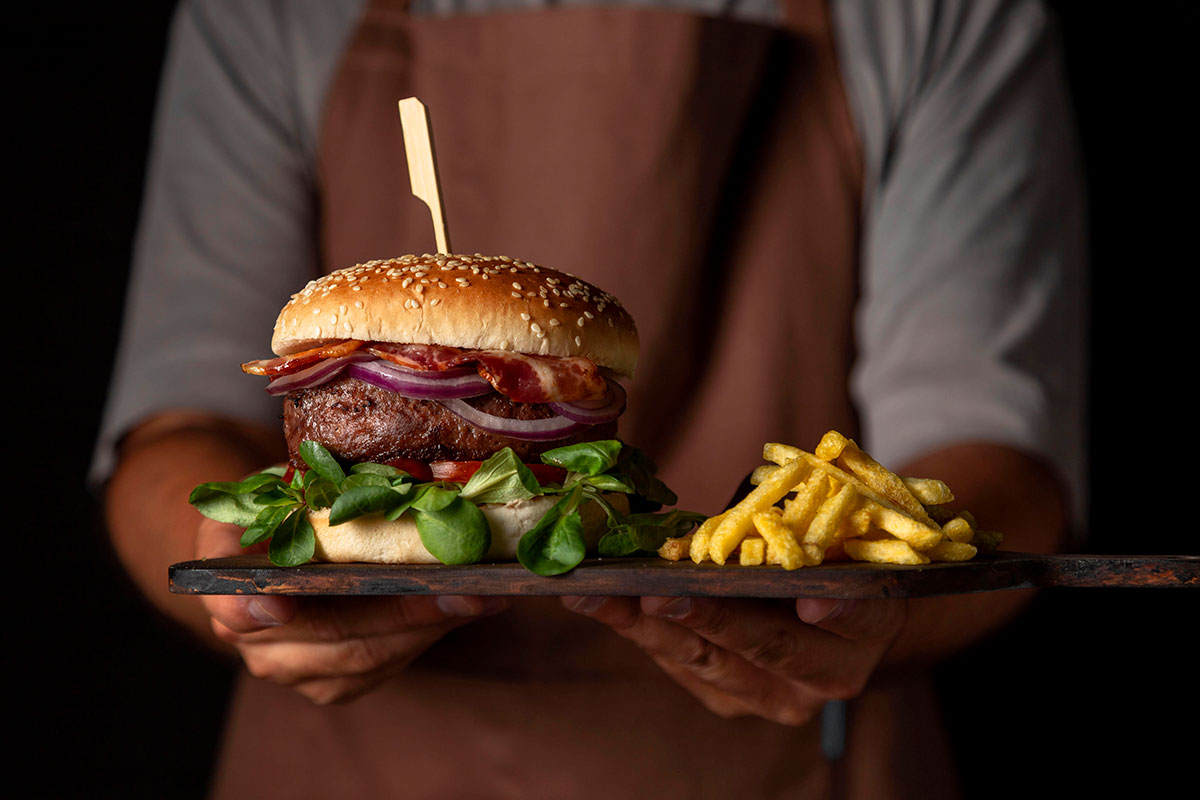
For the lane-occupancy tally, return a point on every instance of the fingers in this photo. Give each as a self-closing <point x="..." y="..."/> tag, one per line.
<point x="780" y="661"/>
<point x="330" y="619"/>
<point x="725" y="681"/>
<point x="855" y="620"/>
<point x="335" y="649"/>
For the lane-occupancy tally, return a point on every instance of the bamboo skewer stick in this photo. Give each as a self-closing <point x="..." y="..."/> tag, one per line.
<point x="422" y="166"/>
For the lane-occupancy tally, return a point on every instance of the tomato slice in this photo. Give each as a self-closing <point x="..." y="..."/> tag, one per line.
<point x="461" y="471"/>
<point x="547" y="473"/>
<point x="457" y="471"/>
<point x="418" y="469"/>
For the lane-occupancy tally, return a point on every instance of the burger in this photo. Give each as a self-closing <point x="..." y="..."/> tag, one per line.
<point x="450" y="409"/>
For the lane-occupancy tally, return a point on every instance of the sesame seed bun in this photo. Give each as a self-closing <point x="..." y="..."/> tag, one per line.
<point x="374" y="539"/>
<point x="472" y="302"/>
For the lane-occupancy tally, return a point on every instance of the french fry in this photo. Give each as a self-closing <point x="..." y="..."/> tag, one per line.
<point x="781" y="453"/>
<point x="752" y="551"/>
<point x="739" y="520"/>
<point x="698" y="551"/>
<point x="799" y="510"/>
<point x="761" y="473"/>
<point x="960" y="529"/>
<point x="928" y="491"/>
<point x="880" y="479"/>
<point x="831" y="446"/>
<point x="858" y="523"/>
<point x="951" y="551"/>
<point x="782" y="547"/>
<point x="813" y="556"/>
<point x="915" y="533"/>
<point x="676" y="549"/>
<point x="883" y="551"/>
<point x="824" y="528"/>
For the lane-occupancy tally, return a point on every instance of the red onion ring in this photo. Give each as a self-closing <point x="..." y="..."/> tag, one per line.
<point x="445" y="385"/>
<point x="534" y="430"/>
<point x="315" y="375"/>
<point x="595" y="412"/>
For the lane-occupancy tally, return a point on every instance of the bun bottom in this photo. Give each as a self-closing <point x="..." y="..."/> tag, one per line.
<point x="373" y="539"/>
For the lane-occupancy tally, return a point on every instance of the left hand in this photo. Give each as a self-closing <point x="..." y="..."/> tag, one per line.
<point x="779" y="660"/>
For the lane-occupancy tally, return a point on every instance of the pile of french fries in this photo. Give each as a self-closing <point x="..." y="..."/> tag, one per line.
<point x="836" y="504"/>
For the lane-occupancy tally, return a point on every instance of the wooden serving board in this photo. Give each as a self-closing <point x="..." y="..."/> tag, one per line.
<point x="656" y="577"/>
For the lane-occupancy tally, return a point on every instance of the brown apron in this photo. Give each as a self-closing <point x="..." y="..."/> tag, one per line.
<point x="706" y="172"/>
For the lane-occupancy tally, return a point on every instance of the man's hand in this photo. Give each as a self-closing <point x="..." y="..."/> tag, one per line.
<point x="333" y="649"/>
<point x="777" y="660"/>
<point x="328" y="649"/>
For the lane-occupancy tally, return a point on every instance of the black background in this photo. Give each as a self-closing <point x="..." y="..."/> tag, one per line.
<point x="1092" y="692"/>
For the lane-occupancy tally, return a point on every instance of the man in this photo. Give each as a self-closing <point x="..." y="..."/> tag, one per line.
<point x="856" y="217"/>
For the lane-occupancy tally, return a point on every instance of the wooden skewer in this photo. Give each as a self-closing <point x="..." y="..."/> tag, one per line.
<point x="422" y="166"/>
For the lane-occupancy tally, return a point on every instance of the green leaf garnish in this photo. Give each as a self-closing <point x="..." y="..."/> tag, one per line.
<point x="556" y="543"/>
<point x="226" y="502"/>
<point x="502" y="478"/>
<point x="321" y="461"/>
<point x="294" y="541"/>
<point x="586" y="458"/>
<point x="456" y="533"/>
<point x="265" y="525"/>
<point x="385" y="470"/>
<point x="607" y="483"/>
<point x="359" y="501"/>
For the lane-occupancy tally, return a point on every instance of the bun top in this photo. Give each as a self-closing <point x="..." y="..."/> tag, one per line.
<point x="470" y="301"/>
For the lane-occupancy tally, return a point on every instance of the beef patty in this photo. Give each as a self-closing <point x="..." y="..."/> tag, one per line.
<point x="358" y="422"/>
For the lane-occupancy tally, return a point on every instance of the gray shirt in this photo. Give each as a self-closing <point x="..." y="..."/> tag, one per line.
<point x="970" y="325"/>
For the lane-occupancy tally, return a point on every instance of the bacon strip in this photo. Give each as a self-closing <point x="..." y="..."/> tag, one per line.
<point x="520" y="377"/>
<point x="274" y="367"/>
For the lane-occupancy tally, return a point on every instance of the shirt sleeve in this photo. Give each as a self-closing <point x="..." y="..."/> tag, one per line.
<point x="971" y="324"/>
<point x="228" y="222"/>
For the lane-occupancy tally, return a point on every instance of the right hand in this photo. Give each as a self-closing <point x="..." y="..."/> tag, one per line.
<point x="329" y="649"/>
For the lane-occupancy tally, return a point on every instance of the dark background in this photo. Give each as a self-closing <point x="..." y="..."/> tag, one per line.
<point x="1092" y="692"/>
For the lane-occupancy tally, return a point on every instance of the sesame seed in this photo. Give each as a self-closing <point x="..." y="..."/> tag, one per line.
<point x="524" y="316"/>
<point x="554" y="323"/>
<point x="516" y="286"/>
<point x="517" y="295"/>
